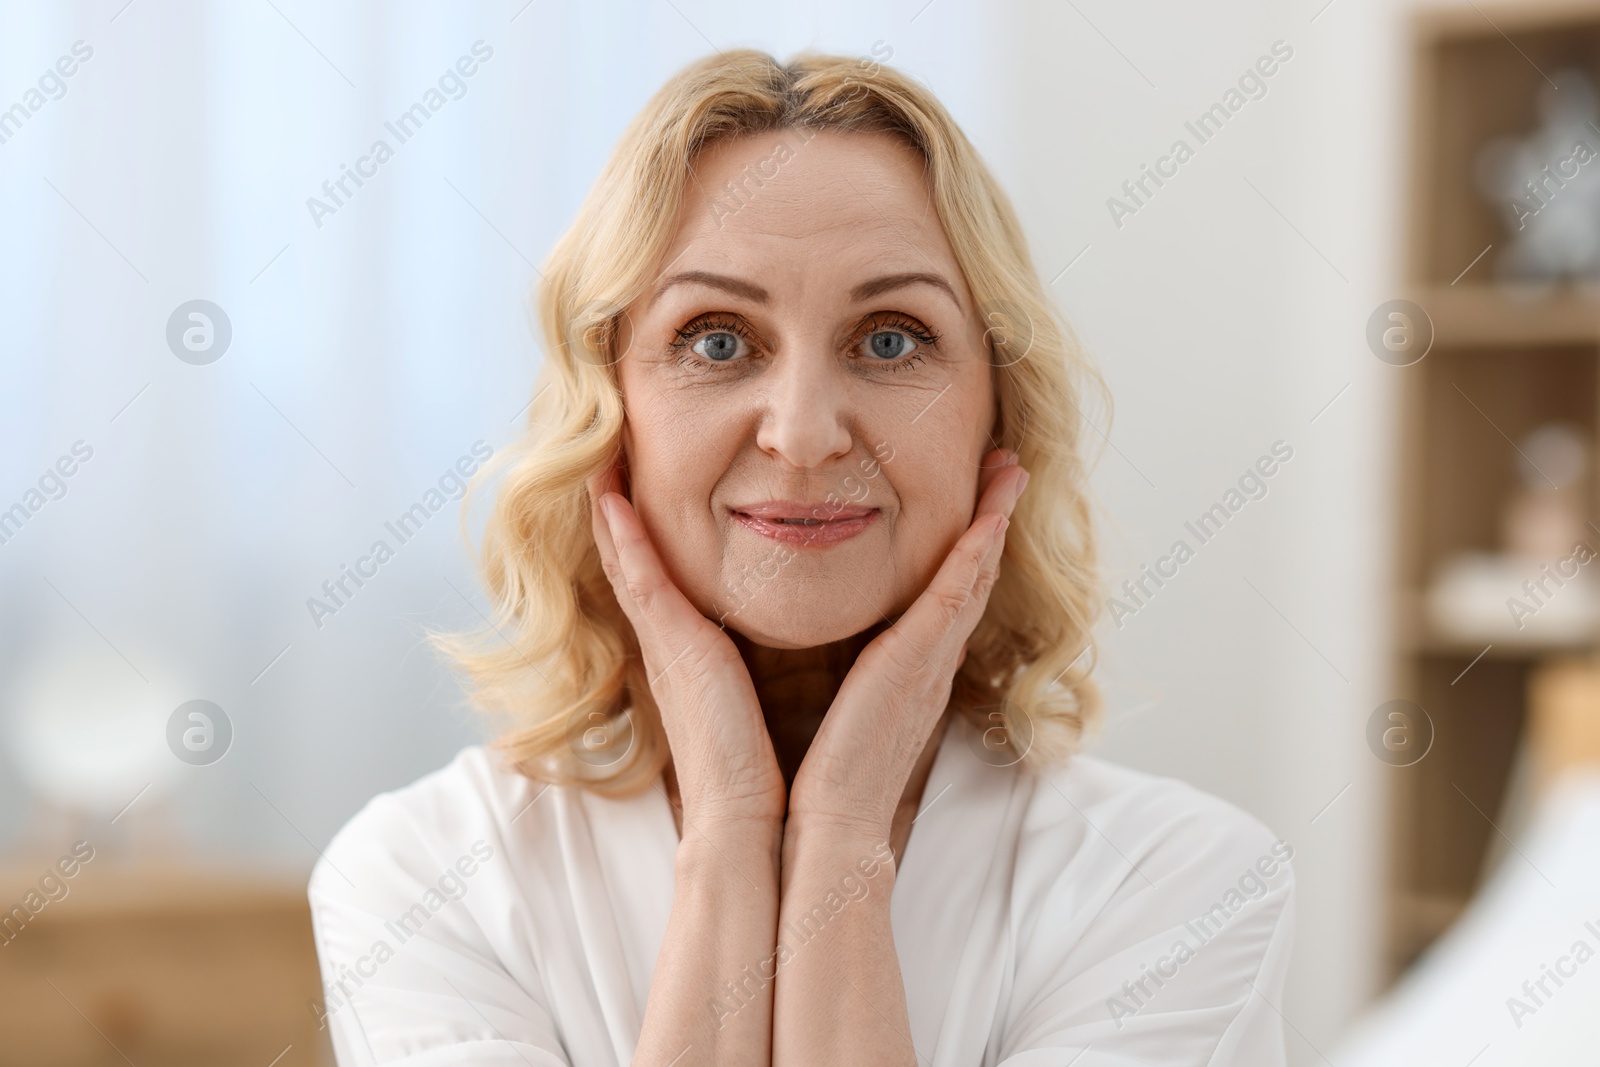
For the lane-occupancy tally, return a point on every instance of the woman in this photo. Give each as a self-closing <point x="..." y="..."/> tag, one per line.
<point x="769" y="591"/>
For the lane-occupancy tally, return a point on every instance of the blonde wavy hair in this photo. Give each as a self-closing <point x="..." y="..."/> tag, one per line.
<point x="560" y="659"/>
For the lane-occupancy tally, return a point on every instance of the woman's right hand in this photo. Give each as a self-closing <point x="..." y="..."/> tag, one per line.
<point x="722" y="754"/>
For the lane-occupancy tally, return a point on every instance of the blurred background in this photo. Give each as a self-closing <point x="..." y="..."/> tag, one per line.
<point x="228" y="369"/>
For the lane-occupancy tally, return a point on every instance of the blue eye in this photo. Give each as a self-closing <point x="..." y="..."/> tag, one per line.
<point x="720" y="346"/>
<point x="888" y="345"/>
<point x="714" y="339"/>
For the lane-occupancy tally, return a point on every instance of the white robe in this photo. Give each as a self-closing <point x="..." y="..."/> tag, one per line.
<point x="476" y="917"/>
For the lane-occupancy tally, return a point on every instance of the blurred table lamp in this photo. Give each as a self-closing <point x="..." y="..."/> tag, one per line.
<point x="87" y="737"/>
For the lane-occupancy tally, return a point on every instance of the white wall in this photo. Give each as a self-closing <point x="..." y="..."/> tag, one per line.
<point x="1226" y="313"/>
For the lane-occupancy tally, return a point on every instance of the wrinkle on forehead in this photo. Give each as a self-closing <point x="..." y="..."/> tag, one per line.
<point x="833" y="204"/>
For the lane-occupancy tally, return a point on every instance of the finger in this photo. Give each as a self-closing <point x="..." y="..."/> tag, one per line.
<point x="661" y="614"/>
<point x="1001" y="494"/>
<point x="600" y="483"/>
<point x="671" y="632"/>
<point x="603" y="483"/>
<point x="994" y="463"/>
<point x="946" y="613"/>
<point x="609" y="479"/>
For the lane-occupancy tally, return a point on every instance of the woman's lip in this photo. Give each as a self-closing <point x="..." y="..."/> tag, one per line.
<point x="828" y="532"/>
<point x="796" y="509"/>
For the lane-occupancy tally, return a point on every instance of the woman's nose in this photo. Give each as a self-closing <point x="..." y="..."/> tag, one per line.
<point x="806" y="421"/>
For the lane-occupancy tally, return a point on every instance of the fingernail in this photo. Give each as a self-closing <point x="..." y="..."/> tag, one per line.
<point x="607" y="507"/>
<point x="1022" y="483"/>
<point x="1000" y="531"/>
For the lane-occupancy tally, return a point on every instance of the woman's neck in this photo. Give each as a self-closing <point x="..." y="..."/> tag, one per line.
<point x="796" y="686"/>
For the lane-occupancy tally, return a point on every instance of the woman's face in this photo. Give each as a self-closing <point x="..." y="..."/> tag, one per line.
<point x="809" y="352"/>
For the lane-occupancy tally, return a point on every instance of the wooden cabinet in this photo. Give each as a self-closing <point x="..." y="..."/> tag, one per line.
<point x="158" y="965"/>
<point x="1506" y="357"/>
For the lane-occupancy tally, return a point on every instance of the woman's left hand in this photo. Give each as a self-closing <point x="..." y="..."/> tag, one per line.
<point x="857" y="766"/>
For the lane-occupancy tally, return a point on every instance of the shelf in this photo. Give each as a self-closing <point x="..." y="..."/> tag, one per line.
<point x="1440" y="645"/>
<point x="1442" y="21"/>
<point x="1506" y="360"/>
<point x="1491" y="315"/>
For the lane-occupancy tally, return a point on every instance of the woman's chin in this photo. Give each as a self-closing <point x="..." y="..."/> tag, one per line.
<point x="784" y="623"/>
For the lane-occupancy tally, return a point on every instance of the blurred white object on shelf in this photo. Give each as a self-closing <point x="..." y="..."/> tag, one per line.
<point x="1539" y="589"/>
<point x="1484" y="596"/>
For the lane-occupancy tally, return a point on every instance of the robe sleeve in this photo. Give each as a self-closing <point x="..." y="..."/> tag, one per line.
<point x="1164" y="941"/>
<point x="409" y="977"/>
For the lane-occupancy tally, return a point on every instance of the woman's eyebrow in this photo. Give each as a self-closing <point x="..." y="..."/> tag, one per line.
<point x="889" y="282"/>
<point x="750" y="291"/>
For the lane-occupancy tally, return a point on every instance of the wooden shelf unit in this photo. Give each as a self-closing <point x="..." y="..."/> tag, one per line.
<point x="1504" y="360"/>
